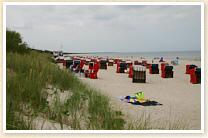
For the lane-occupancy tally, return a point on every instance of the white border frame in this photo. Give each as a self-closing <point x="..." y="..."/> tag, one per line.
<point x="103" y="3"/>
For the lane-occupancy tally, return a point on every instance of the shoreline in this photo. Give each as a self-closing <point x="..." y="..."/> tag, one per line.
<point x="132" y="58"/>
<point x="167" y="55"/>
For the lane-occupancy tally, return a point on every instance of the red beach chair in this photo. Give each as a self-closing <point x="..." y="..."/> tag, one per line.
<point x="168" y="72"/>
<point x="153" y="69"/>
<point x="195" y="75"/>
<point x="130" y="71"/>
<point x="189" y="67"/>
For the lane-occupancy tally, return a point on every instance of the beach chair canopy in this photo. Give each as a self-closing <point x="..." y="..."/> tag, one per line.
<point x="67" y="58"/>
<point x="123" y="64"/>
<point x="61" y="57"/>
<point x="128" y="61"/>
<point x="76" y="61"/>
<point x="168" y="67"/>
<point x="88" y="59"/>
<point x="198" y="69"/>
<point x="154" y="65"/>
<point x="138" y="63"/>
<point x="103" y="61"/>
<point x="91" y="63"/>
<point x="69" y="61"/>
<point x="139" y="68"/>
<point x="192" y="66"/>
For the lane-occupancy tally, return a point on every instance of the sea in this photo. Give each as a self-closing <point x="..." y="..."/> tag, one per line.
<point x="183" y="55"/>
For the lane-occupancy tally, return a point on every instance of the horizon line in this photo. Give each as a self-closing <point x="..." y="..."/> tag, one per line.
<point x="126" y="52"/>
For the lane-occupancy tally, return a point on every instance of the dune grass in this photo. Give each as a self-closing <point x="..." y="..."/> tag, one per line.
<point x="86" y="108"/>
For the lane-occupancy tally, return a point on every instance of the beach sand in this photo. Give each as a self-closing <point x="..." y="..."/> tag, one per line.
<point x="180" y="99"/>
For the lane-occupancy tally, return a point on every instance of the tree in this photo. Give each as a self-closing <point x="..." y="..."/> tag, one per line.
<point x="14" y="42"/>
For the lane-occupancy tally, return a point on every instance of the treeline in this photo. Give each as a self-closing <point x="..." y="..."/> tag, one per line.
<point x="15" y="44"/>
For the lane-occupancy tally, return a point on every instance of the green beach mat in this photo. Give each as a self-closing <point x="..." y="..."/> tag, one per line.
<point x="139" y="95"/>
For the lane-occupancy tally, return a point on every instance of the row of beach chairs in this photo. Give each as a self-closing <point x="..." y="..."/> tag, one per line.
<point x="137" y="70"/>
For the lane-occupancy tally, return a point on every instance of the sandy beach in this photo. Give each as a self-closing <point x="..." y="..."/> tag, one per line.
<point x="180" y="99"/>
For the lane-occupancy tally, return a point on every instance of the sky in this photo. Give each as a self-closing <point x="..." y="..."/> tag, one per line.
<point x="107" y="28"/>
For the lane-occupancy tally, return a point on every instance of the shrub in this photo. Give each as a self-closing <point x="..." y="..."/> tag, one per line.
<point x="14" y="43"/>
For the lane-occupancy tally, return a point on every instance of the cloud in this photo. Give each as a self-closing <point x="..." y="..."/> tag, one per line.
<point x="124" y="28"/>
<point x="103" y="16"/>
<point x="22" y="25"/>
